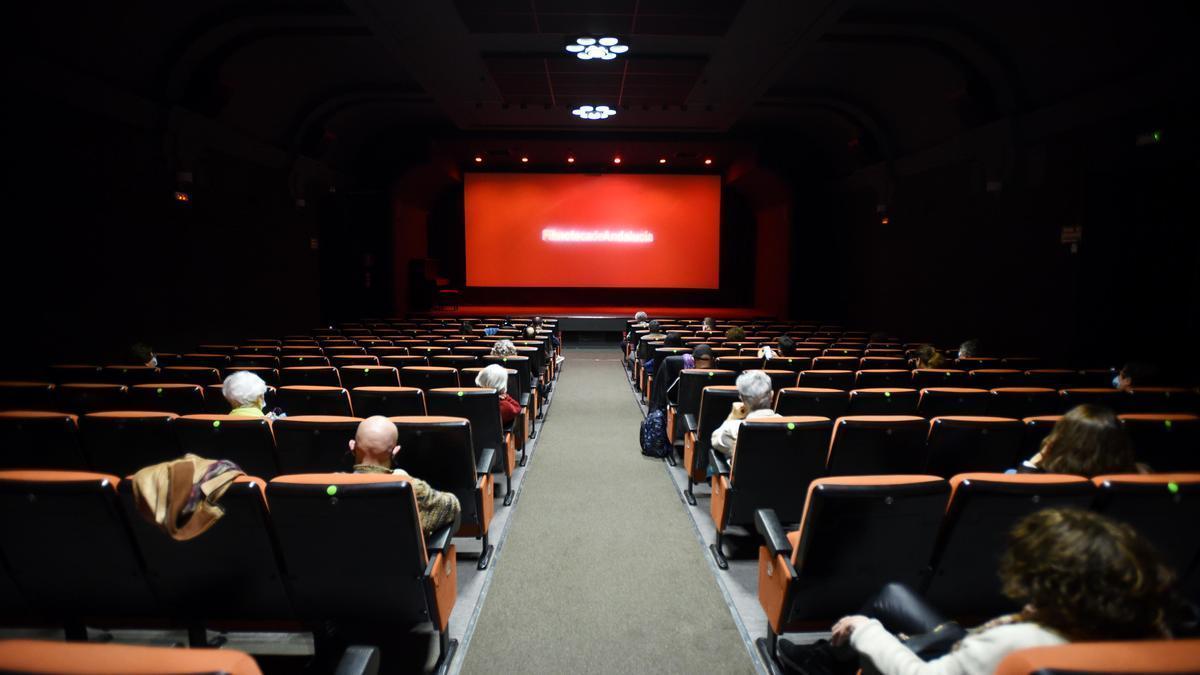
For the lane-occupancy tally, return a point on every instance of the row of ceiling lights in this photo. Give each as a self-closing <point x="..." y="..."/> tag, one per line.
<point x="571" y="159"/>
<point x="605" y="48"/>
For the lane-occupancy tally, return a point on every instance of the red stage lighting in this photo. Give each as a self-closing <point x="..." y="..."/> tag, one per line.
<point x="617" y="160"/>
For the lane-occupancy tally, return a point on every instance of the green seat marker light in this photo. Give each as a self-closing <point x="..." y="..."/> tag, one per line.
<point x="331" y="490"/>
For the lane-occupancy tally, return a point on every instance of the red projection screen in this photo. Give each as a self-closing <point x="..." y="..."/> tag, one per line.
<point x="609" y="231"/>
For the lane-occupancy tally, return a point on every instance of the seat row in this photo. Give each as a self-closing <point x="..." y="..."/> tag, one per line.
<point x="269" y="562"/>
<point x="943" y="537"/>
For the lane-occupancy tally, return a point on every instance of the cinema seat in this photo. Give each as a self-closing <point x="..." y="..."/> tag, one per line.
<point x="923" y="378"/>
<point x="842" y="363"/>
<point x="85" y="397"/>
<point x="1054" y="378"/>
<point x="341" y="350"/>
<point x="882" y="401"/>
<point x="482" y="407"/>
<point x="1144" y="657"/>
<point x="965" y="444"/>
<point x="882" y="379"/>
<point x="369" y="376"/>
<point x="25" y="395"/>
<point x="883" y="363"/>
<point x="1037" y="427"/>
<point x="300" y="360"/>
<point x="263" y="347"/>
<point x="792" y="363"/>
<point x="121" y="442"/>
<point x="781" y="379"/>
<point x="868" y="445"/>
<point x="942" y="401"/>
<point x="716" y="401"/>
<point x="1166" y="442"/>
<point x="40" y="439"/>
<point x="439" y="450"/>
<point x="1163" y="400"/>
<point x="205" y="360"/>
<point x="313" y="400"/>
<point x="66" y="543"/>
<point x="268" y="375"/>
<point x="812" y="402"/>
<point x="400" y="362"/>
<point x="341" y="361"/>
<point x="256" y="360"/>
<point x="1156" y="505"/>
<point x="691" y="383"/>
<point x="231" y="573"/>
<point x="245" y="441"/>
<point x="314" y="443"/>
<point x="35" y="657"/>
<point x="826" y="379"/>
<point x="856" y="535"/>
<point x="197" y="375"/>
<point x="774" y="461"/>
<point x="399" y="581"/>
<point x="76" y="372"/>
<point x="387" y="401"/>
<point x="739" y="364"/>
<point x="428" y="377"/>
<point x="181" y="399"/>
<point x="1113" y="399"/>
<point x="1022" y="402"/>
<point x="522" y="426"/>
<point x="983" y="508"/>
<point x="317" y="376"/>
<point x="456" y="361"/>
<point x="993" y="378"/>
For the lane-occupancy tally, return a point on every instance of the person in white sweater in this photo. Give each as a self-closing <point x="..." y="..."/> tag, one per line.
<point x="1080" y="575"/>
<point x="754" y="390"/>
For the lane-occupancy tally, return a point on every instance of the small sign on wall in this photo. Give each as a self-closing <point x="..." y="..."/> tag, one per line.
<point x="1072" y="234"/>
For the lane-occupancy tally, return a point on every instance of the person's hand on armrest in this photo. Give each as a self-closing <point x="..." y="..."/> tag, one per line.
<point x="845" y="627"/>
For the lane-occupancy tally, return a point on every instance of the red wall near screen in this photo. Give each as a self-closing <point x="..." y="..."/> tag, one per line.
<point x="506" y="213"/>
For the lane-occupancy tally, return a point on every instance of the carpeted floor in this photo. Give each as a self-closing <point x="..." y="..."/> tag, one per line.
<point x="601" y="571"/>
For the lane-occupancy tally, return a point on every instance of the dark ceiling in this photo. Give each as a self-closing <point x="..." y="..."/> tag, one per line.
<point x="325" y="78"/>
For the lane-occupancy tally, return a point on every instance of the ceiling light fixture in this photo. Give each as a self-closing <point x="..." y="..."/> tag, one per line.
<point x="617" y="159"/>
<point x="594" y="112"/>
<point x="478" y="159"/>
<point x="708" y="161"/>
<point x="604" y="48"/>
<point x="662" y="160"/>
<point x="570" y="160"/>
<point x="524" y="160"/>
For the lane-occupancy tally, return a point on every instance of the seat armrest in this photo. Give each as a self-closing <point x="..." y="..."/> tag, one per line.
<point x="524" y="400"/>
<point x="689" y="423"/>
<point x="440" y="538"/>
<point x="774" y="538"/>
<point x="484" y="463"/>
<point x="718" y="461"/>
<point x="359" y="660"/>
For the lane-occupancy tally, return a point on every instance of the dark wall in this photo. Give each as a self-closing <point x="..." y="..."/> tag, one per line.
<point x="958" y="261"/>
<point x="97" y="253"/>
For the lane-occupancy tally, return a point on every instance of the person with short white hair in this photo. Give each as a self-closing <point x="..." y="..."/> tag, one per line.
<point x="246" y="394"/>
<point x="504" y="348"/>
<point x="640" y="318"/>
<point x="495" y="376"/>
<point x="754" y="390"/>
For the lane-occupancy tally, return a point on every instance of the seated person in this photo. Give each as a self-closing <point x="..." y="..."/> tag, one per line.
<point x="784" y="348"/>
<point x="143" y="354"/>
<point x="702" y="358"/>
<point x="708" y="325"/>
<point x="640" y="320"/>
<point x="1080" y="577"/>
<point x="246" y="394"/>
<point x="754" y="390"/>
<point x="969" y="349"/>
<point x="374" y="447"/>
<point x="928" y="357"/>
<point x="642" y="347"/>
<point x="1134" y="374"/>
<point x="504" y="348"/>
<point x="735" y="334"/>
<point x="495" y="376"/>
<point x="1087" y="441"/>
<point x="490" y="331"/>
<point x="467" y="327"/>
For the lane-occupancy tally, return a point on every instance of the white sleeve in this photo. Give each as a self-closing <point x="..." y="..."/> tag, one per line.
<point x="891" y="657"/>
<point x="723" y="439"/>
<point x="978" y="654"/>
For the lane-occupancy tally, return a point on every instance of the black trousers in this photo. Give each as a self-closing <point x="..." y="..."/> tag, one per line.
<point x="901" y="611"/>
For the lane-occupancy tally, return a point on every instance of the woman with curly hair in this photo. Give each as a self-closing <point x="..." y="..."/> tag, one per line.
<point x="1087" y="441"/>
<point x="1078" y="575"/>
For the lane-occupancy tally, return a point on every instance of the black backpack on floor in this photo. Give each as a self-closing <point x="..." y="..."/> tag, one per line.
<point x="654" y="435"/>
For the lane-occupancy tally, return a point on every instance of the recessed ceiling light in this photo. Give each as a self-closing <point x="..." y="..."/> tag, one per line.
<point x="617" y="159"/>
<point x="708" y="160"/>
<point x="594" y="112"/>
<point x="605" y="48"/>
<point x="525" y="160"/>
<point x="662" y="160"/>
<point x="570" y="160"/>
<point x="478" y="159"/>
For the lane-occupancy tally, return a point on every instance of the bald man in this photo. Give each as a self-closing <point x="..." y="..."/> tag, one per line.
<point x="374" y="447"/>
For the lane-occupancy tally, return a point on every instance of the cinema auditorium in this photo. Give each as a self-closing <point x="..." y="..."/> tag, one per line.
<point x="814" y="337"/>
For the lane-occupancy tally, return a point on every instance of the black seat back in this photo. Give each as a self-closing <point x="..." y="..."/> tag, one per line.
<point x="715" y="404"/>
<point x="775" y="460"/>
<point x="973" y="444"/>
<point x="882" y="401"/>
<point x="40" y="440"/>
<point x="387" y="401"/>
<point x="122" y="442"/>
<point x="82" y="398"/>
<point x="232" y="571"/>
<point x="181" y="399"/>
<point x="245" y="441"/>
<point x="1166" y="442"/>
<point x="478" y="405"/>
<point x="868" y="445"/>
<point x="369" y="376"/>
<point x="812" y="401"/>
<point x="22" y="395"/>
<point x="428" y="377"/>
<point x="314" y="400"/>
<point x="1022" y="402"/>
<point x="1157" y="506"/>
<point x="315" y="443"/>
<point x="439" y="451"/>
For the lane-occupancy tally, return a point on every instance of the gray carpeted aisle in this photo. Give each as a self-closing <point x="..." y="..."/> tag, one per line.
<point x="601" y="571"/>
